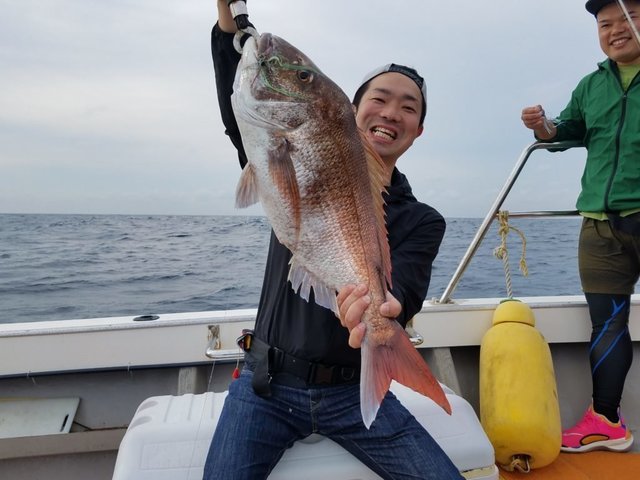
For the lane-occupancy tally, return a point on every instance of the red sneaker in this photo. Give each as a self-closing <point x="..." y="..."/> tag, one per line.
<point x="596" y="432"/>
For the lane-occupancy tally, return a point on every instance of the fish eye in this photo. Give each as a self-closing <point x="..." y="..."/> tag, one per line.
<point x="305" y="76"/>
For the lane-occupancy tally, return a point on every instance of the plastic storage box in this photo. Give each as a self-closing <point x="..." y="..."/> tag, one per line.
<point x="169" y="437"/>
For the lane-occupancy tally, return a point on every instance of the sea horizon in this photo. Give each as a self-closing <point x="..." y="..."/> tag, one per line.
<point x="70" y="266"/>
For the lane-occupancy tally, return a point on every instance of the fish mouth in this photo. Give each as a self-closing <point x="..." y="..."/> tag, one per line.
<point x="265" y="45"/>
<point x="384" y="133"/>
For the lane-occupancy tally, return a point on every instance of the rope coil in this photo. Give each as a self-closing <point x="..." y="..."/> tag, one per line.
<point x="519" y="463"/>
<point x="501" y="252"/>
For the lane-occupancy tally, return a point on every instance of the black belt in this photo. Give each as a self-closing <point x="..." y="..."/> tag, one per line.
<point x="268" y="362"/>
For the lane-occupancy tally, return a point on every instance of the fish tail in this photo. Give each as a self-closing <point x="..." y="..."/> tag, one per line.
<point x="396" y="360"/>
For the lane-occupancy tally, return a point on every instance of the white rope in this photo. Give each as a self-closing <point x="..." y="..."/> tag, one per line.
<point x="502" y="253"/>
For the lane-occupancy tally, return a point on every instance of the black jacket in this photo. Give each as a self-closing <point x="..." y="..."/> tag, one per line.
<point x="302" y="328"/>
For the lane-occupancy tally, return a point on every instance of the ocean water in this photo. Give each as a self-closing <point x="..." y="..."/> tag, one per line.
<point x="60" y="267"/>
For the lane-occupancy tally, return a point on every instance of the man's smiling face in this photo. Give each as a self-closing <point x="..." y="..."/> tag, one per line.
<point x="615" y="34"/>
<point x="389" y="115"/>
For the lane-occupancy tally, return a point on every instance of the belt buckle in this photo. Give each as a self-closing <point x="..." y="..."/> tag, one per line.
<point x="320" y="374"/>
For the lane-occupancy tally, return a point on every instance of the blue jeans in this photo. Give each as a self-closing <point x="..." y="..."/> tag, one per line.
<point x="254" y="432"/>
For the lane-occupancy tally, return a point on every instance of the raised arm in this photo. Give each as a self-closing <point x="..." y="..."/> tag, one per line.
<point x="225" y="19"/>
<point x="225" y="62"/>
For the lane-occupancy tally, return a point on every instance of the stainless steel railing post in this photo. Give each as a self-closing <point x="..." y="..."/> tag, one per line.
<point x="495" y="208"/>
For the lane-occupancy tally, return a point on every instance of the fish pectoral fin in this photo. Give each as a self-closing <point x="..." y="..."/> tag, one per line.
<point x="302" y="281"/>
<point x="396" y="360"/>
<point x="247" y="189"/>
<point x="283" y="175"/>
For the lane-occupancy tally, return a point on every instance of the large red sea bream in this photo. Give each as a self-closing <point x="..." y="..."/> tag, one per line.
<point x="321" y="186"/>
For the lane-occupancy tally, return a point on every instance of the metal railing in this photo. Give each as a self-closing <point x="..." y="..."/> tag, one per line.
<point x="495" y="208"/>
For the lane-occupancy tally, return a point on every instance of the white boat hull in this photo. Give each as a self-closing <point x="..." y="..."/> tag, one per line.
<point x="114" y="364"/>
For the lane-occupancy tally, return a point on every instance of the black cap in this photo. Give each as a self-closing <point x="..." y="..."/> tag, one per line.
<point x="594" y="6"/>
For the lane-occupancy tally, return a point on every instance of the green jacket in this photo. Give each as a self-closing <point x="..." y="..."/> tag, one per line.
<point x="607" y="120"/>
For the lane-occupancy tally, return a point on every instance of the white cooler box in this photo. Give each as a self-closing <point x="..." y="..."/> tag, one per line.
<point x="169" y="437"/>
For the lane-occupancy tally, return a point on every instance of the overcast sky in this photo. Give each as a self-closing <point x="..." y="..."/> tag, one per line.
<point x="110" y="106"/>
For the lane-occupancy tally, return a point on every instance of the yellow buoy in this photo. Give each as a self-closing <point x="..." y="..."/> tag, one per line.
<point x="518" y="397"/>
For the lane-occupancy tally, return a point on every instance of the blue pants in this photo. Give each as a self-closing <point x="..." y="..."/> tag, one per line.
<point x="254" y="432"/>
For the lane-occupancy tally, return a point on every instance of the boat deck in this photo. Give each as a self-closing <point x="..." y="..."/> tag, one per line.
<point x="584" y="466"/>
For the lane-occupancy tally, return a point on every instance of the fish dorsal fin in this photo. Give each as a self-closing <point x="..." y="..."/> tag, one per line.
<point x="377" y="177"/>
<point x="302" y="281"/>
<point x="283" y="175"/>
<point x="247" y="189"/>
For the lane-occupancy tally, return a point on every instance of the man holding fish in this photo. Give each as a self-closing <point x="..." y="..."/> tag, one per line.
<point x="318" y="362"/>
